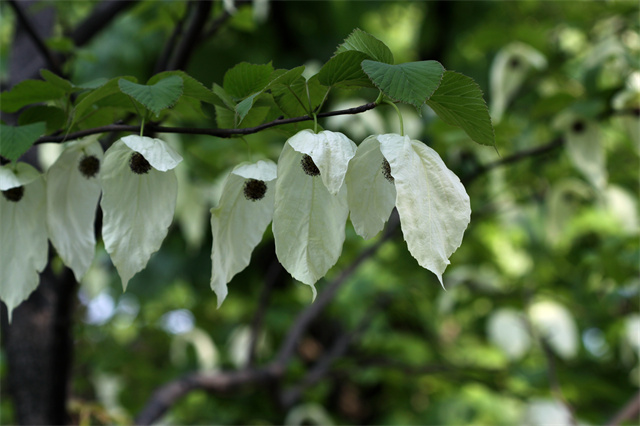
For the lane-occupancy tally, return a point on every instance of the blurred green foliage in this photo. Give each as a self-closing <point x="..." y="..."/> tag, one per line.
<point x="540" y="231"/>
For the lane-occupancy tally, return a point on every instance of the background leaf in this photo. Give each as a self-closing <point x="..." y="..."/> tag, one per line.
<point x="86" y="101"/>
<point x="157" y="97"/>
<point x="412" y="83"/>
<point x="15" y="141"/>
<point x="458" y="101"/>
<point x="29" y="92"/>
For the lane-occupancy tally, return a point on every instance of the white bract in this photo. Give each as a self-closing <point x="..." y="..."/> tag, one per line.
<point x="237" y="224"/>
<point x="73" y="189"/>
<point x="23" y="232"/>
<point x="432" y="203"/>
<point x="311" y="203"/>
<point x="138" y="201"/>
<point x="508" y="71"/>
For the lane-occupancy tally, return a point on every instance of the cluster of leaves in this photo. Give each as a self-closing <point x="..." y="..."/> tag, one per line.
<point x="139" y="188"/>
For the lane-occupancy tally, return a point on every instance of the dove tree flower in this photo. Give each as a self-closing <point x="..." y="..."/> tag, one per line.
<point x="73" y="189"/>
<point x="432" y="203"/>
<point x="23" y="232"/>
<point x="243" y="214"/>
<point x="139" y="197"/>
<point x="311" y="203"/>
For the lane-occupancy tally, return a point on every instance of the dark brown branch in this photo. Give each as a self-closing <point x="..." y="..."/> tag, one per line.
<point x="554" y="384"/>
<point x="220" y="133"/>
<point x="631" y="410"/>
<point x="24" y="20"/>
<point x="218" y="382"/>
<point x="162" y="63"/>
<point x="514" y="158"/>
<point x="191" y="37"/>
<point x="322" y="301"/>
<point x="322" y="367"/>
<point x="274" y="272"/>
<point x="100" y="17"/>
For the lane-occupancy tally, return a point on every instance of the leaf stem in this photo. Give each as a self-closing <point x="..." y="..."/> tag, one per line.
<point x="386" y="101"/>
<point x="315" y="123"/>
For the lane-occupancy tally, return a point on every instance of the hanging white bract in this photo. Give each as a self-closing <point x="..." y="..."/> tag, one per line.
<point x="432" y="203"/>
<point x="139" y="197"/>
<point x="311" y="203"/>
<point x="73" y="189"/>
<point x="23" y="232"/>
<point x="237" y="224"/>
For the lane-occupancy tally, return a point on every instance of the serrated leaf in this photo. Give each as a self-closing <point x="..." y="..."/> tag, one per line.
<point x="192" y="88"/>
<point x="285" y="77"/>
<point x="29" y="92"/>
<point x="293" y="99"/>
<point x="238" y="223"/>
<point x="23" y="232"/>
<point x="245" y="79"/>
<point x="412" y="83"/>
<point x="87" y="100"/>
<point x="345" y="69"/>
<point x="226" y="98"/>
<point x="54" y="117"/>
<point x="157" y="97"/>
<point x="308" y="222"/>
<point x="364" y="42"/>
<point x="57" y="81"/>
<point x="458" y="101"/>
<point x="15" y="141"/>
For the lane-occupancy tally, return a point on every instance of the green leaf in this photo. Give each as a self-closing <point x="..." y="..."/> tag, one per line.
<point x="87" y="100"/>
<point x="228" y="119"/>
<point x="57" y="81"/>
<point x="458" y="102"/>
<point x="192" y="88"/>
<point x="412" y="83"/>
<point x="243" y="108"/>
<point x="364" y="42"/>
<point x="157" y="97"/>
<point x="29" y="92"/>
<point x="293" y="100"/>
<point x="227" y="100"/>
<point x="286" y="77"/>
<point x="345" y="69"/>
<point x="15" y="141"/>
<point x="54" y="117"/>
<point x="246" y="79"/>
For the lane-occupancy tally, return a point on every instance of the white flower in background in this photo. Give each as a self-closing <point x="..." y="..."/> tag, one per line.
<point x="584" y="146"/>
<point x="243" y="214"/>
<point x="73" y="189"/>
<point x="311" y="203"/>
<point x="432" y="203"/>
<point x="138" y="201"/>
<point x="23" y="232"/>
<point x="509" y="69"/>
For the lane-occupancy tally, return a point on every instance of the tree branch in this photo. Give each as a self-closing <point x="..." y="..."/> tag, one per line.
<point x="220" y="133"/>
<point x="630" y="411"/>
<point x="190" y="40"/>
<point x="219" y="382"/>
<point x="338" y="349"/>
<point x="514" y="158"/>
<point x="100" y="17"/>
<point x="24" y="20"/>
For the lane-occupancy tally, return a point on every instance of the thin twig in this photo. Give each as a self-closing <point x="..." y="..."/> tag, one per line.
<point x="321" y="368"/>
<point x="24" y="20"/>
<point x="163" y="62"/>
<point x="220" y="133"/>
<point x="631" y="410"/>
<point x="554" y="384"/>
<point x="514" y="158"/>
